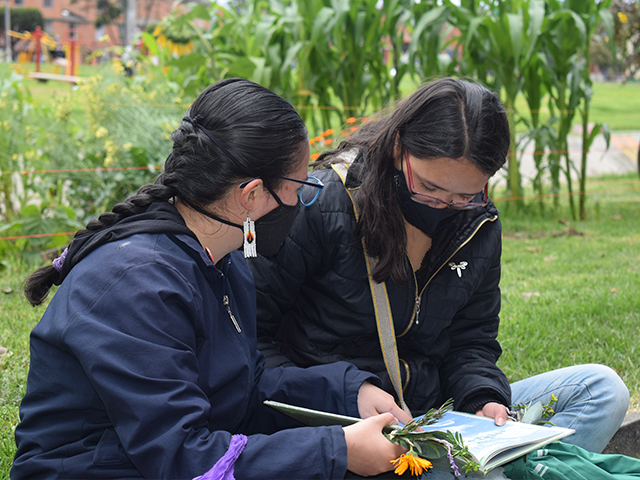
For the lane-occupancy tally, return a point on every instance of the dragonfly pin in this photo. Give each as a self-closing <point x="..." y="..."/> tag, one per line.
<point x="458" y="267"/>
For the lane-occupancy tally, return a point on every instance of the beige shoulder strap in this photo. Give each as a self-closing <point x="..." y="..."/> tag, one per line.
<point x="384" y="318"/>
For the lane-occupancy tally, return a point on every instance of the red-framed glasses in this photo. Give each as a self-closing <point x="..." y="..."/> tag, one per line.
<point x="435" y="201"/>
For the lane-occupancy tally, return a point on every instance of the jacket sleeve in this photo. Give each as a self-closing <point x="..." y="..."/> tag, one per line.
<point x="137" y="347"/>
<point x="278" y="279"/>
<point x="469" y="372"/>
<point x="332" y="388"/>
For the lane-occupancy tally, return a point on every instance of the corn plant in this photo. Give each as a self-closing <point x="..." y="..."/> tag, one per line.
<point x="503" y="36"/>
<point x="433" y="49"/>
<point x="592" y="13"/>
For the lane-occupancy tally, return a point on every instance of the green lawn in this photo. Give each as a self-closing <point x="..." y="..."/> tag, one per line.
<point x="570" y="291"/>
<point x="618" y="105"/>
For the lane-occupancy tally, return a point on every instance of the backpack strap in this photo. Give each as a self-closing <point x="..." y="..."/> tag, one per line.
<point x="381" y="305"/>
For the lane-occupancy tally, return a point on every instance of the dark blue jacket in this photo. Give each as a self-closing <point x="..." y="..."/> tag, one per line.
<point x="315" y="305"/>
<point x="138" y="370"/>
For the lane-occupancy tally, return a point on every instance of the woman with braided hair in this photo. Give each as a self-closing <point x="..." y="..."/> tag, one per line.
<point x="145" y="365"/>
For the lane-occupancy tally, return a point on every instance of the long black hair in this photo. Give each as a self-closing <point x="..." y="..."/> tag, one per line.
<point x="262" y="131"/>
<point x="445" y="118"/>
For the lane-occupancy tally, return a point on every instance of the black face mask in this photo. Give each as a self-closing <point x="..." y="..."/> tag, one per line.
<point x="270" y="229"/>
<point x="423" y="217"/>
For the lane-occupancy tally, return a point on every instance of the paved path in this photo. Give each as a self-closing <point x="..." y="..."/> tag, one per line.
<point x="621" y="157"/>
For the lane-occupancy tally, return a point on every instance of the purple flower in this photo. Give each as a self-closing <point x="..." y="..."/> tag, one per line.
<point x="223" y="468"/>
<point x="456" y="472"/>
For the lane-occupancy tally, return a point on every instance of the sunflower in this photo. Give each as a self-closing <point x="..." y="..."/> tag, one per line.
<point x="176" y="39"/>
<point x="407" y="460"/>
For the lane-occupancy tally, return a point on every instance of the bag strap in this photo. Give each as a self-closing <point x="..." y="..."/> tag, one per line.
<point x="381" y="305"/>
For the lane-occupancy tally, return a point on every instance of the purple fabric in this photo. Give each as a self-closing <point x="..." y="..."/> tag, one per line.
<point x="223" y="468"/>
<point x="57" y="262"/>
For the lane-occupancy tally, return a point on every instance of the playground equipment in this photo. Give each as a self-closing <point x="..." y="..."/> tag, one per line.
<point x="36" y="53"/>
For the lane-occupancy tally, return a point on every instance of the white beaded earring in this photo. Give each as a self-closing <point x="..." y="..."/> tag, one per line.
<point x="249" y="238"/>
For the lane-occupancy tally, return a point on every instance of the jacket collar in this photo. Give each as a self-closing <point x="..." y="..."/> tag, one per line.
<point x="159" y="217"/>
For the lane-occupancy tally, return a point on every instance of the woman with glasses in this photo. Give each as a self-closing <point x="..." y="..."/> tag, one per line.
<point x="405" y="204"/>
<point x="145" y="365"/>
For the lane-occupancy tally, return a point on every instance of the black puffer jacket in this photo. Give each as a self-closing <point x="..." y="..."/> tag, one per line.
<point x="315" y="305"/>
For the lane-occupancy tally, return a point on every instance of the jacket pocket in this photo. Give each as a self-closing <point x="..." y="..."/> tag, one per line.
<point x="109" y="450"/>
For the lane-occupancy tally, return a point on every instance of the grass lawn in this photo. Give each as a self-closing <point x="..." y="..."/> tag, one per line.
<point x="570" y="296"/>
<point x="570" y="292"/>
<point x="618" y="105"/>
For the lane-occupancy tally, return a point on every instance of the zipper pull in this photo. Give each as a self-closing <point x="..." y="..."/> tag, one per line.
<point x="225" y="302"/>
<point x="418" y="301"/>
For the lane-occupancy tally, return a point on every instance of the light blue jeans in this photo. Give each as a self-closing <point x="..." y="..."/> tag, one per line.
<point x="592" y="399"/>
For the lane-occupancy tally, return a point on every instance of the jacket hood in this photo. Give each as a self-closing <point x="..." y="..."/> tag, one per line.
<point x="159" y="217"/>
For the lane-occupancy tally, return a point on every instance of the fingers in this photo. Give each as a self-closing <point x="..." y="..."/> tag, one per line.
<point x="373" y="401"/>
<point x="501" y="417"/>
<point x="400" y="414"/>
<point x="494" y="410"/>
<point x="368" y="450"/>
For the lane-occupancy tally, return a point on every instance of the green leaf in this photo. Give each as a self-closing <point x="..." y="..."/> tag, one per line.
<point x="516" y="27"/>
<point x="292" y="52"/>
<point x="428" y="19"/>
<point x="30" y="210"/>
<point x="188" y="61"/>
<point x="609" y="25"/>
<point x="241" y="67"/>
<point x="151" y="44"/>
<point x="592" y="135"/>
<point x="533" y="414"/>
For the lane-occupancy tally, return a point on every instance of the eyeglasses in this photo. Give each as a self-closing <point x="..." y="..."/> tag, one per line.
<point x="430" y="200"/>
<point x="307" y="196"/>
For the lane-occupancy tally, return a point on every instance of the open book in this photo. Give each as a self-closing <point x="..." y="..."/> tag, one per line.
<point x="489" y="444"/>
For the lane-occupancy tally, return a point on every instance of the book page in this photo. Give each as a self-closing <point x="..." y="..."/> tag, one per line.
<point x="485" y="439"/>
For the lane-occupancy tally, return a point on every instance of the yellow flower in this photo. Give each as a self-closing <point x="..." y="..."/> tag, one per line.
<point x="554" y="398"/>
<point x="623" y="17"/>
<point x="416" y="464"/>
<point x="127" y="146"/>
<point x="102" y="132"/>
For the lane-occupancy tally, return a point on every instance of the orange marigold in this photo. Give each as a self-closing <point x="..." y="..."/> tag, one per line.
<point x="315" y="156"/>
<point x="312" y="141"/>
<point x="328" y="141"/>
<point x="416" y="464"/>
<point x="351" y="120"/>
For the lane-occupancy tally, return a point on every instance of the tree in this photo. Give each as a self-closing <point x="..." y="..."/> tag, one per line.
<point x="626" y="18"/>
<point x="24" y="19"/>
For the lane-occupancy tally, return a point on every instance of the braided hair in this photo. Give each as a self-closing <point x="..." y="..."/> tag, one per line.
<point x="264" y="132"/>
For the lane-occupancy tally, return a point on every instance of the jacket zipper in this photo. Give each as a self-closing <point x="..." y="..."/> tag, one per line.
<point x="416" y="308"/>
<point x="225" y="302"/>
